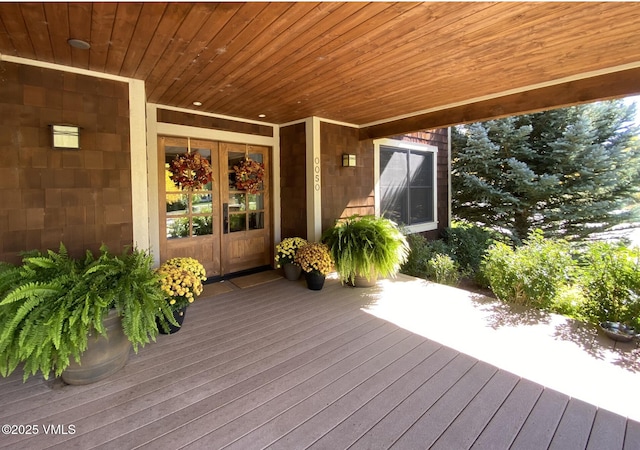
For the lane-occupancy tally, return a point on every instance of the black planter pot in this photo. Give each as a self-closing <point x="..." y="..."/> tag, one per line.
<point x="292" y="271"/>
<point x="315" y="281"/>
<point x="178" y="314"/>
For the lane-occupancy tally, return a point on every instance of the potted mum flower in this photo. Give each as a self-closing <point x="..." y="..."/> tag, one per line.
<point x="285" y="255"/>
<point x="181" y="283"/>
<point x="315" y="260"/>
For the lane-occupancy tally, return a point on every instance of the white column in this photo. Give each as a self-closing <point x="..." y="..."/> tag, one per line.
<point x="153" y="182"/>
<point x="275" y="187"/>
<point x="314" y="180"/>
<point x="138" y="147"/>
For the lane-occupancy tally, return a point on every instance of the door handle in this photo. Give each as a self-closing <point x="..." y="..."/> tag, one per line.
<point x="225" y="218"/>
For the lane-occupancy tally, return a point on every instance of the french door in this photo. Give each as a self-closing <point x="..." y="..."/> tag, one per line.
<point x="226" y="228"/>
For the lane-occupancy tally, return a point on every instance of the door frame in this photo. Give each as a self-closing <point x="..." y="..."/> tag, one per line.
<point x="155" y="129"/>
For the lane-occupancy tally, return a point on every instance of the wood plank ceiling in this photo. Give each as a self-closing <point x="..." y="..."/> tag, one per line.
<point x="361" y="63"/>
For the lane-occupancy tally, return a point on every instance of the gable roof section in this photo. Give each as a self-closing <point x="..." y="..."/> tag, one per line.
<point x="387" y="67"/>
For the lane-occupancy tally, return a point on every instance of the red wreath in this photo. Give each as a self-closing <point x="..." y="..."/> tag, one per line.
<point x="190" y="171"/>
<point x="249" y="175"/>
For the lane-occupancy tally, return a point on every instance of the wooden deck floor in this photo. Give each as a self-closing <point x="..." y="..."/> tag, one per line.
<point x="278" y="366"/>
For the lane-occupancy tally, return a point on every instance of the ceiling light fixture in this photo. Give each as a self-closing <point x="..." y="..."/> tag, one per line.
<point x="79" y="43"/>
<point x="197" y="103"/>
<point x="262" y="116"/>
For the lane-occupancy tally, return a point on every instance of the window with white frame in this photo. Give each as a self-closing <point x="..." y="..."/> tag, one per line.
<point x="407" y="184"/>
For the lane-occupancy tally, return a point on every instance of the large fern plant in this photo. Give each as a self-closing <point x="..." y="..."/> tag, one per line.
<point x="51" y="303"/>
<point x="366" y="246"/>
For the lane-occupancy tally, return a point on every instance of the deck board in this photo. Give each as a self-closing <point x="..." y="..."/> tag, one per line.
<point x="505" y="425"/>
<point x="574" y="427"/>
<point x="278" y="366"/>
<point x="351" y="429"/>
<point x="540" y="426"/>
<point x="428" y="428"/>
<point x="477" y="414"/>
<point x="277" y="394"/>
<point x="607" y="432"/>
<point x="385" y="433"/>
<point x="334" y="414"/>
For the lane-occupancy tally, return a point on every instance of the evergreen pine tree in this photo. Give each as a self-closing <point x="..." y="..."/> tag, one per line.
<point x="570" y="171"/>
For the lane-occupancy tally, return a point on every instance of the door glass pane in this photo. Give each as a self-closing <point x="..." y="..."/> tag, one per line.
<point x="201" y="203"/>
<point x="206" y="153"/>
<point x="176" y="204"/>
<point x="258" y="157"/>
<point x="256" y="221"/>
<point x="256" y="202"/>
<point x="177" y="227"/>
<point x="237" y="202"/>
<point x="237" y="222"/>
<point x="234" y="159"/>
<point x="202" y="225"/>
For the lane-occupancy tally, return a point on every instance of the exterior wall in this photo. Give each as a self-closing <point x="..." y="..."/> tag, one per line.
<point x="439" y="138"/>
<point x="345" y="190"/>
<point x="292" y="180"/>
<point x="79" y="197"/>
<point x="350" y="190"/>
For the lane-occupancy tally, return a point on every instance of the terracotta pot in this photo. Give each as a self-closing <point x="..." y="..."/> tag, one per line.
<point x="103" y="357"/>
<point x="361" y="281"/>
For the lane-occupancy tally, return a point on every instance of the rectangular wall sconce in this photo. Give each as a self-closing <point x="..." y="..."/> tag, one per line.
<point x="348" y="160"/>
<point x="66" y="136"/>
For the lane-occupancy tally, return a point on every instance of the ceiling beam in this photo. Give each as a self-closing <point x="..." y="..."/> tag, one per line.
<point x="601" y="87"/>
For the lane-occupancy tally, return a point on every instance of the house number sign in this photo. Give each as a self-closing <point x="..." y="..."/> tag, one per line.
<point x="316" y="173"/>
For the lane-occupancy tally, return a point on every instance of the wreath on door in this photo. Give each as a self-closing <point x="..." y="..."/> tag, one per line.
<point x="190" y="171"/>
<point x="249" y="175"/>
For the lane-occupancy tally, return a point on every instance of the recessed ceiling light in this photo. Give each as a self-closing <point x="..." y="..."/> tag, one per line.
<point x="79" y="43"/>
<point x="197" y="103"/>
<point x="262" y="116"/>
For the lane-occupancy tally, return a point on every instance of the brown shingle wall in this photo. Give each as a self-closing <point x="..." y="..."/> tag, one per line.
<point x="292" y="181"/>
<point x="439" y="138"/>
<point x="214" y="123"/>
<point x="79" y="197"/>
<point x="345" y="190"/>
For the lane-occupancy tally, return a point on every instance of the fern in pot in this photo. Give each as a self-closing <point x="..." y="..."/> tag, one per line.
<point x="365" y="248"/>
<point x="55" y="312"/>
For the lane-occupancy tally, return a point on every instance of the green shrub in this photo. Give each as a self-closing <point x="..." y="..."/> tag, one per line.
<point x="421" y="251"/>
<point x="570" y="302"/>
<point x="610" y="280"/>
<point x="532" y="274"/>
<point x="443" y="269"/>
<point x="468" y="244"/>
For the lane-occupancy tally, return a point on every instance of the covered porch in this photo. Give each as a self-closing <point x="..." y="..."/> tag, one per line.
<point x="265" y="362"/>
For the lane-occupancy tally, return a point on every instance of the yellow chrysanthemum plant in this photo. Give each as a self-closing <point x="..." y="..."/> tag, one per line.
<point x="287" y="249"/>
<point x="181" y="281"/>
<point x="315" y="257"/>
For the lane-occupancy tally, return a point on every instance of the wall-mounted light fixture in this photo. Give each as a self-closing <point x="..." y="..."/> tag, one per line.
<point x="66" y="136"/>
<point x="348" y="160"/>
